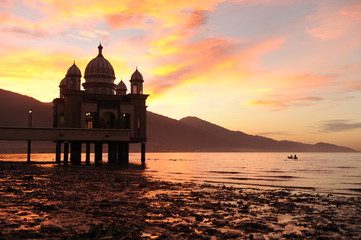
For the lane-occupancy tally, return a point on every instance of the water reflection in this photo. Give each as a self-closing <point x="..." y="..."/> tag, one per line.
<point x="324" y="172"/>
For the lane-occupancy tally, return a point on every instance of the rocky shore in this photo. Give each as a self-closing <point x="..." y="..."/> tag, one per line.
<point x="53" y="202"/>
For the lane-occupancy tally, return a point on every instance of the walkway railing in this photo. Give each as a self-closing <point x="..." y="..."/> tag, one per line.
<point x="64" y="134"/>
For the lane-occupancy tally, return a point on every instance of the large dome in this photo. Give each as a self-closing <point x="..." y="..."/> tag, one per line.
<point x="99" y="69"/>
<point x="99" y="75"/>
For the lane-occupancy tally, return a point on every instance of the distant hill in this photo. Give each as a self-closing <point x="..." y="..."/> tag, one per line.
<point x="14" y="110"/>
<point x="164" y="134"/>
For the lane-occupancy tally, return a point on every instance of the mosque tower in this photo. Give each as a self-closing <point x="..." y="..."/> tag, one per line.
<point x="136" y="82"/>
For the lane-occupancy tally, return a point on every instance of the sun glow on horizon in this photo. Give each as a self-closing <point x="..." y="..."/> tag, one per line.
<point x="289" y="70"/>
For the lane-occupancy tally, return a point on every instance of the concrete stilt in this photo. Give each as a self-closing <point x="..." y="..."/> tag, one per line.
<point x="87" y="154"/>
<point x="143" y="152"/>
<point x="66" y="153"/>
<point x="123" y="152"/>
<point x="112" y="153"/>
<point x="98" y="148"/>
<point x="57" y="152"/>
<point x="75" y="153"/>
<point x="29" y="152"/>
<point x="119" y="153"/>
<point x="126" y="153"/>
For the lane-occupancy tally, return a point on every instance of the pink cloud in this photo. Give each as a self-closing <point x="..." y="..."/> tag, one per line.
<point x="23" y="32"/>
<point x="196" y="18"/>
<point x="124" y="20"/>
<point x="6" y="3"/>
<point x="20" y="26"/>
<point x="332" y="21"/>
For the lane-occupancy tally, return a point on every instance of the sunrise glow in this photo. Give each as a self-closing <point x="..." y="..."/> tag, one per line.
<point x="283" y="69"/>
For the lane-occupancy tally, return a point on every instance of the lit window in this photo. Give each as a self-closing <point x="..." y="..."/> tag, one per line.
<point x="89" y="120"/>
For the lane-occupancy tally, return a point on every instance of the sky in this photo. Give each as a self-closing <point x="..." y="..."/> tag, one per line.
<point x="284" y="69"/>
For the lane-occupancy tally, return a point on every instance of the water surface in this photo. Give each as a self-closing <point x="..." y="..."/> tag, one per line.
<point x="319" y="172"/>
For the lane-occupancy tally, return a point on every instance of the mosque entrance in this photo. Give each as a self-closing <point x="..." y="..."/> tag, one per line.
<point x="107" y="120"/>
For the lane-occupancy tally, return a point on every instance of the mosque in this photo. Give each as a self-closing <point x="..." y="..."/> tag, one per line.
<point x="102" y="104"/>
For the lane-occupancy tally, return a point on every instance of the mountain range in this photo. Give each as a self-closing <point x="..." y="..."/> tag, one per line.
<point x="189" y="134"/>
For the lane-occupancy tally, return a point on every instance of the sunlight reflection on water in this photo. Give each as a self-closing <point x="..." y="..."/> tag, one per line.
<point x="322" y="172"/>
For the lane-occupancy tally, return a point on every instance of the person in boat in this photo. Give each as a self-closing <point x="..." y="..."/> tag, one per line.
<point x="295" y="157"/>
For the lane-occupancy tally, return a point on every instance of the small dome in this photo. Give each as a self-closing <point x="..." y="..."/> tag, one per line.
<point x="121" y="86"/>
<point x="73" y="71"/>
<point x="99" y="69"/>
<point x="137" y="76"/>
<point x="63" y="83"/>
<point x="121" y="89"/>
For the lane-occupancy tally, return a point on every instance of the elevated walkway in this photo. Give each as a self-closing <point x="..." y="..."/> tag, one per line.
<point x="117" y="140"/>
<point x="65" y="134"/>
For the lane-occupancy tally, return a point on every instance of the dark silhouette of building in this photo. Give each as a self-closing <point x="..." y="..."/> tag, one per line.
<point x="101" y="105"/>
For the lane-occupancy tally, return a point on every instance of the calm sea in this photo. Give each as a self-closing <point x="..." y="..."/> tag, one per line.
<point x="318" y="172"/>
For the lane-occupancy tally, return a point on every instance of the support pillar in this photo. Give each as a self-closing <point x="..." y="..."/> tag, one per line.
<point x="120" y="152"/>
<point x="29" y="152"/>
<point x="126" y="153"/>
<point x="98" y="155"/>
<point x="87" y="154"/>
<point x="123" y="154"/>
<point x="66" y="153"/>
<point x="112" y="153"/>
<point x="57" y="152"/>
<point x="142" y="153"/>
<point x="75" y="153"/>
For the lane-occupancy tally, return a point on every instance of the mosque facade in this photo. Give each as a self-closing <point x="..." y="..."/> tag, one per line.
<point x="102" y="104"/>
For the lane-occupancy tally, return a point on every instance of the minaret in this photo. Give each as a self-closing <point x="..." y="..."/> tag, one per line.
<point x="136" y="82"/>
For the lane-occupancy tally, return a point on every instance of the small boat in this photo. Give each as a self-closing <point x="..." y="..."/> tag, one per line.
<point x="292" y="157"/>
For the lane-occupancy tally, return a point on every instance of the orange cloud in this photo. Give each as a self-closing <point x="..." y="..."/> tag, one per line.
<point x="292" y="91"/>
<point x="273" y="103"/>
<point x="193" y="61"/>
<point x="171" y="12"/>
<point x="206" y="61"/>
<point x="308" y="81"/>
<point x="282" y="102"/>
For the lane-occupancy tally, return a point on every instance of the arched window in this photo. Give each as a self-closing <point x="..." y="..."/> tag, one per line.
<point x="72" y="83"/>
<point x="134" y="89"/>
<point x="107" y="120"/>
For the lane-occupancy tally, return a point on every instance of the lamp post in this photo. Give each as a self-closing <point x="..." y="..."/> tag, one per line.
<point x="30" y="123"/>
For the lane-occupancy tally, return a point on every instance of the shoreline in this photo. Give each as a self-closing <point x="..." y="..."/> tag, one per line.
<point x="352" y="192"/>
<point x="56" y="202"/>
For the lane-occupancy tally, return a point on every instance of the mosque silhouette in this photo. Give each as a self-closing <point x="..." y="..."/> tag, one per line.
<point x="102" y="105"/>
